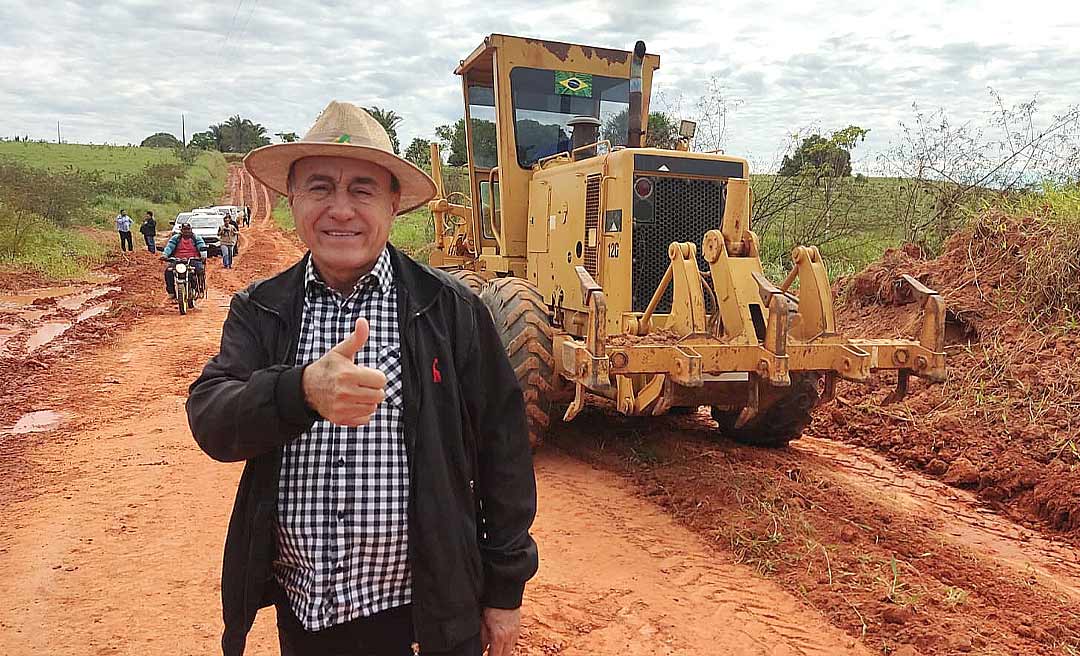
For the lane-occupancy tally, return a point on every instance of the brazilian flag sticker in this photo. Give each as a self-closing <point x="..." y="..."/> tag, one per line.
<point x="573" y="84"/>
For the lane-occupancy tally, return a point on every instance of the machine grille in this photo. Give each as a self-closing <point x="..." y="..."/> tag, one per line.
<point x="684" y="209"/>
<point x="592" y="221"/>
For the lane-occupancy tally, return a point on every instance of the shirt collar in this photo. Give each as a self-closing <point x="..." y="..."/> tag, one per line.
<point x="382" y="275"/>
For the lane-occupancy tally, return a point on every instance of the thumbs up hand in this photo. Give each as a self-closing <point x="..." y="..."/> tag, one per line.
<point x="339" y="390"/>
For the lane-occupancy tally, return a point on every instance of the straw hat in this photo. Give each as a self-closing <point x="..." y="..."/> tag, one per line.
<point x="342" y="130"/>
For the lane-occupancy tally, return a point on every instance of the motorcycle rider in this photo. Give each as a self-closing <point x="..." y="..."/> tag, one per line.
<point x="182" y="245"/>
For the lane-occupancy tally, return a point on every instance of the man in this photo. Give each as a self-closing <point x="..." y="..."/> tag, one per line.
<point x="247" y="216"/>
<point x="228" y="233"/>
<point x="388" y="492"/>
<point x="184" y="245"/>
<point x="123" y="226"/>
<point x="149" y="231"/>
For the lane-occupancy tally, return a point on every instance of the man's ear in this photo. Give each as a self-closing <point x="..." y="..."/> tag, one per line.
<point x="395" y="202"/>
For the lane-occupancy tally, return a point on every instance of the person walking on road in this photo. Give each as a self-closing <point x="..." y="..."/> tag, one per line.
<point x="149" y="231"/>
<point x="388" y="489"/>
<point x="228" y="234"/>
<point x="247" y="216"/>
<point x="123" y="226"/>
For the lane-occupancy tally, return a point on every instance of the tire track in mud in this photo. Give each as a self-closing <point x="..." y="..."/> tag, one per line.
<point x="885" y="554"/>
<point x="619" y="578"/>
<point x="959" y="514"/>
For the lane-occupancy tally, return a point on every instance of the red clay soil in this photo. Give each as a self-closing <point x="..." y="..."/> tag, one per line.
<point x="1006" y="424"/>
<point x="15" y="279"/>
<point x="659" y="337"/>
<point x="141" y="293"/>
<point x="891" y="561"/>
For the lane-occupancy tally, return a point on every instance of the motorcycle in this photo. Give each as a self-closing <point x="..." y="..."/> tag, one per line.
<point x="187" y="282"/>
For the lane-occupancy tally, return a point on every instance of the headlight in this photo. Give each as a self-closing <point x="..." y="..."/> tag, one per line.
<point x="181" y="268"/>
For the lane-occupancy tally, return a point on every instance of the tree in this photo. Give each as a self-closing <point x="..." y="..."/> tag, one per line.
<point x="662" y="132"/>
<point x="236" y="135"/>
<point x="419" y="152"/>
<point x="241" y="135"/>
<point x="203" y="141"/>
<point x="485" y="142"/>
<point x="819" y="156"/>
<point x="389" y="120"/>
<point x="813" y="199"/>
<point x="161" y="140"/>
<point x="287" y="137"/>
<point x="453" y="141"/>
<point x="714" y="107"/>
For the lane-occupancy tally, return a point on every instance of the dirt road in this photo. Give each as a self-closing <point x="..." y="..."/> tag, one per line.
<point x="113" y="521"/>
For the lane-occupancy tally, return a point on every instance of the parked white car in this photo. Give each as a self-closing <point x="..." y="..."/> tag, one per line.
<point x="204" y="223"/>
<point x="235" y="211"/>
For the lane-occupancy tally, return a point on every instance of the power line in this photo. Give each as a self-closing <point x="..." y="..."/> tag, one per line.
<point x="254" y="4"/>
<point x="232" y="23"/>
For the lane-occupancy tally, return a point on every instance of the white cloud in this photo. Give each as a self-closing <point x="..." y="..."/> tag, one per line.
<point x="119" y="71"/>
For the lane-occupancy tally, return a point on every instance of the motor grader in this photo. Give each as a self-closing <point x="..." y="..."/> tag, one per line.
<point x="627" y="273"/>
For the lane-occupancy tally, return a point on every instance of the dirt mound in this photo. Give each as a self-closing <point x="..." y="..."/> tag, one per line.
<point x="1006" y="423"/>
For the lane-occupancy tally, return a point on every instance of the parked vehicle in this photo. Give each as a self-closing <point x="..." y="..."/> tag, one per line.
<point x="235" y="211"/>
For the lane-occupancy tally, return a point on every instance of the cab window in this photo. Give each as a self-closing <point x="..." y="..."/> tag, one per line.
<point x="544" y="100"/>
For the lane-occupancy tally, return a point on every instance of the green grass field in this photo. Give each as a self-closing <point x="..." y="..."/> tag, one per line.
<point x="66" y="252"/>
<point x="107" y="159"/>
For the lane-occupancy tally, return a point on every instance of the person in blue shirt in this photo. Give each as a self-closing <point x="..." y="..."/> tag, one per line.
<point x="123" y="226"/>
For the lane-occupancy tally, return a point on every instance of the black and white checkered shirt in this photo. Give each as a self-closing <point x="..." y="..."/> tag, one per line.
<point x="342" y="531"/>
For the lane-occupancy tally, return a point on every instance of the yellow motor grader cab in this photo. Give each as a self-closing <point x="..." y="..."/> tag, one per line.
<point x="632" y="274"/>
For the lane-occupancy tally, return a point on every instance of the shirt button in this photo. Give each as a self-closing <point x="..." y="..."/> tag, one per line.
<point x="340" y="462"/>
<point x="341" y="514"/>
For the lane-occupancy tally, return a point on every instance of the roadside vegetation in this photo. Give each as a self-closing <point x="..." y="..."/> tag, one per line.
<point x="58" y="201"/>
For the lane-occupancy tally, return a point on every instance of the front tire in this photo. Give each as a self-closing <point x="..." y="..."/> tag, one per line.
<point x="473" y="280"/>
<point x="780" y="423"/>
<point x="181" y="298"/>
<point x="521" y="317"/>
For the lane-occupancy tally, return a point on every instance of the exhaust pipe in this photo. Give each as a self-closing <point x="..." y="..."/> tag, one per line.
<point x="633" y="139"/>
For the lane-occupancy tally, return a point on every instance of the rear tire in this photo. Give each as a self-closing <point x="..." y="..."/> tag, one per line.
<point x="521" y="317"/>
<point x="472" y="280"/>
<point x="781" y="422"/>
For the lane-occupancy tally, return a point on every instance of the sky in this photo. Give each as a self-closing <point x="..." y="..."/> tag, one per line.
<point x="118" y="71"/>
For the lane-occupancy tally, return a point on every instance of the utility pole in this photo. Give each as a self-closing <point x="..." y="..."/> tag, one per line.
<point x="58" y="132"/>
<point x="183" y="132"/>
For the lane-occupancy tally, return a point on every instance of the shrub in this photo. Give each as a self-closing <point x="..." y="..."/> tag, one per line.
<point x="61" y="198"/>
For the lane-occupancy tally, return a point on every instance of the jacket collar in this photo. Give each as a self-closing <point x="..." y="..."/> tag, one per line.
<point x="419" y="285"/>
<point x="280" y="293"/>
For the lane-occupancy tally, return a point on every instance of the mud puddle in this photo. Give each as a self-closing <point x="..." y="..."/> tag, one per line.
<point x="47" y="333"/>
<point x="28" y="297"/>
<point x="42" y="325"/>
<point x="76" y="301"/>
<point x="90" y="313"/>
<point x="958" y="514"/>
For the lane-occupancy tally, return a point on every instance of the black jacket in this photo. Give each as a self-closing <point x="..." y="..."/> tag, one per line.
<point x="472" y="491"/>
<point x="148" y="228"/>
